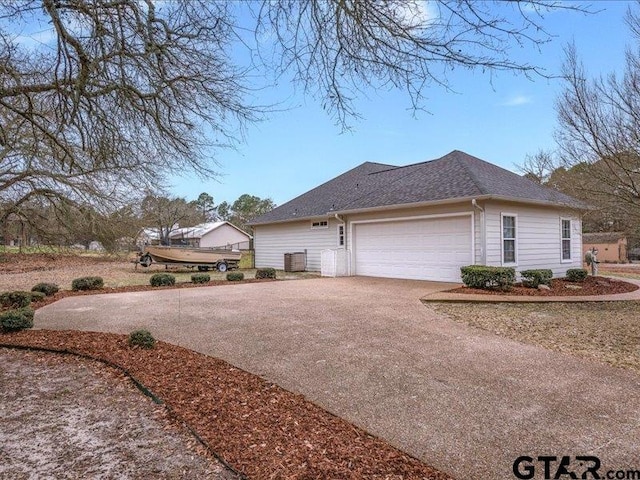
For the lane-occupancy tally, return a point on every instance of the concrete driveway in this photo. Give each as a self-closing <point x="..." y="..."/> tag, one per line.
<point x="463" y="400"/>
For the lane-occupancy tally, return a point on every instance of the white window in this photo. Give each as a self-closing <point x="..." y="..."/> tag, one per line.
<point x="509" y="239"/>
<point x="565" y="233"/>
<point x="320" y="224"/>
<point x="341" y="235"/>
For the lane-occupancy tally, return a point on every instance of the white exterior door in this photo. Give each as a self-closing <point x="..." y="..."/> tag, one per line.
<point x="422" y="249"/>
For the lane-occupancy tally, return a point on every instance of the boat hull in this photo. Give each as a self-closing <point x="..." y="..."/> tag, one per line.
<point x="191" y="255"/>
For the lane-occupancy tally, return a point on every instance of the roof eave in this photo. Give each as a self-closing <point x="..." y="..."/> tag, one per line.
<point x="292" y="219"/>
<point x="545" y="203"/>
<point x="397" y="206"/>
<point x="447" y="201"/>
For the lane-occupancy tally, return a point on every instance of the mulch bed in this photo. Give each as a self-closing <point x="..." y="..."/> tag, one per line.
<point x="257" y="427"/>
<point x="561" y="287"/>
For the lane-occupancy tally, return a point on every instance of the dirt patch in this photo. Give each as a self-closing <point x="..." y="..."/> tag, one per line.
<point x="63" y="417"/>
<point x="560" y="288"/>
<point x="261" y="429"/>
<point x="604" y="331"/>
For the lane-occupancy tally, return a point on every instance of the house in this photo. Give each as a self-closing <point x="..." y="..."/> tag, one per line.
<point x="205" y="235"/>
<point x="424" y="221"/>
<point x="612" y="246"/>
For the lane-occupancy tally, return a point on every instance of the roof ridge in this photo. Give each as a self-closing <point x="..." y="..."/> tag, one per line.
<point x="479" y="185"/>
<point x="376" y="192"/>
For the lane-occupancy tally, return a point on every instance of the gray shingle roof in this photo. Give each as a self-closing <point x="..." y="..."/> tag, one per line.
<point x="456" y="175"/>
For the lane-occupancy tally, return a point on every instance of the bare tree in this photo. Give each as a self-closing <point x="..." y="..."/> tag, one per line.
<point x="539" y="166"/>
<point x="337" y="48"/>
<point x="118" y="100"/>
<point x="166" y="214"/>
<point x="129" y="91"/>
<point x="599" y="129"/>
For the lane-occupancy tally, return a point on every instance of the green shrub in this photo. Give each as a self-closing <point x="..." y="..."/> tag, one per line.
<point x="87" y="283"/>
<point x="236" y="276"/>
<point x="266" y="273"/>
<point x="141" y="338"/>
<point x="162" y="280"/>
<point x="480" y="276"/>
<point x="37" y="296"/>
<point x="200" y="277"/>
<point x="533" y="278"/>
<point x="47" y="288"/>
<point x="19" y="319"/>
<point x="576" y="274"/>
<point x="15" y="299"/>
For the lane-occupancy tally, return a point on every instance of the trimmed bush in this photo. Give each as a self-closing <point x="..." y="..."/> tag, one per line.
<point x="162" y="280"/>
<point x="576" y="274"/>
<point x="534" y="278"/>
<point x="266" y="273"/>
<point x="87" y="283"/>
<point x="235" y="276"/>
<point x="200" y="278"/>
<point x="15" y="299"/>
<point x="141" y="338"/>
<point x="47" y="288"/>
<point x="37" y="296"/>
<point x="13" y="320"/>
<point x="480" y="276"/>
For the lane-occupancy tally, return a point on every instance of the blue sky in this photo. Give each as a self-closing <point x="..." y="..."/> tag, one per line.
<point x="501" y="122"/>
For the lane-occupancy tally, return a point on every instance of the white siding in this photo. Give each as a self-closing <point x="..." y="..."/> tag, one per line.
<point x="223" y="236"/>
<point x="538" y="237"/>
<point x="271" y="242"/>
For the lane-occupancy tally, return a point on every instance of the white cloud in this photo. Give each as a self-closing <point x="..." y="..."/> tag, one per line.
<point x="417" y="12"/>
<point x="516" y="101"/>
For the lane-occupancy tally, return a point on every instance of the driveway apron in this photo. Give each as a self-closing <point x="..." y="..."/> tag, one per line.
<point x="461" y="399"/>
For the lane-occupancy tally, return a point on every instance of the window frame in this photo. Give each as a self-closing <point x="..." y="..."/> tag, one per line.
<point x="514" y="239"/>
<point x="341" y="235"/>
<point x="319" y="224"/>
<point x="562" y="240"/>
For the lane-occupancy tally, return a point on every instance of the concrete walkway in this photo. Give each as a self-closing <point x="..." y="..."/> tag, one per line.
<point x="461" y="399"/>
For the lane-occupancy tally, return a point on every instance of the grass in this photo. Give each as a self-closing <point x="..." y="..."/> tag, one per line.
<point x="603" y="270"/>
<point x="605" y="331"/>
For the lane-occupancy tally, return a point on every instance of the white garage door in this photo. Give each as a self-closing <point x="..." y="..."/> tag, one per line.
<point x="426" y="249"/>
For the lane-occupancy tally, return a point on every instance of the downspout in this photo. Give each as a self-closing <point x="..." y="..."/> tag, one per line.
<point x="483" y="239"/>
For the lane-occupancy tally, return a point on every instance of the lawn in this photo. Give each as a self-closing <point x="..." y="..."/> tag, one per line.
<point x="22" y="271"/>
<point x="603" y="331"/>
<point x="623" y="270"/>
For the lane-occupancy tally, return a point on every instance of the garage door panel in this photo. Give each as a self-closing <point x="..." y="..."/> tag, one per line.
<point x="425" y="249"/>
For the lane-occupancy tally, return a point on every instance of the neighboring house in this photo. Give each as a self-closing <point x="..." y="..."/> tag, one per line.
<point x="424" y="221"/>
<point x="612" y="246"/>
<point x="205" y="235"/>
<point x="95" y="246"/>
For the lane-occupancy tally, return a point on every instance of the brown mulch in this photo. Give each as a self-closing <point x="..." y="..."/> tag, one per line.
<point x="561" y="287"/>
<point x="259" y="428"/>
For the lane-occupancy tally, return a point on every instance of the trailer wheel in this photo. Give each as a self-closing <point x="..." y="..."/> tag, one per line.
<point x="145" y="260"/>
<point x="203" y="268"/>
<point x="222" y="267"/>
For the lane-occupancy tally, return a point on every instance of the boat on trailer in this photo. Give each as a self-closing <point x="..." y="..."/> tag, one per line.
<point x="220" y="259"/>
